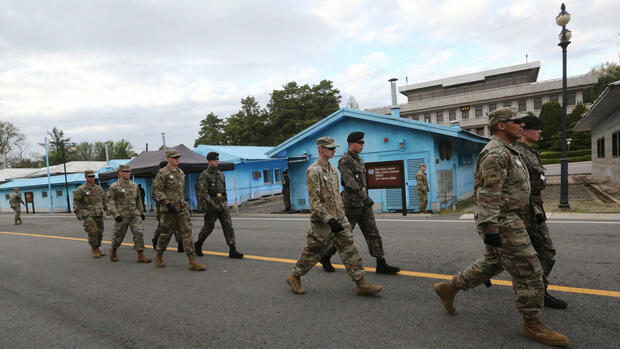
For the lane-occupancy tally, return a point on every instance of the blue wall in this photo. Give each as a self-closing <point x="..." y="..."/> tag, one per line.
<point x="41" y="204"/>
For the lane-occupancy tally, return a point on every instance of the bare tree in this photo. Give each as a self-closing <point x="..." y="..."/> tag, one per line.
<point x="9" y="138"/>
<point x="352" y="103"/>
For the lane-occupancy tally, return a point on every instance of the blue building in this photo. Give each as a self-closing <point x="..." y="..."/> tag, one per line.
<point x="449" y="152"/>
<point x="255" y="174"/>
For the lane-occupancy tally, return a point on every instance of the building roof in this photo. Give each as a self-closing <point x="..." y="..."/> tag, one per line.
<point x="605" y="105"/>
<point x="235" y="153"/>
<point x="113" y="164"/>
<point x="42" y="181"/>
<point x="10" y="173"/>
<point x="72" y="167"/>
<point x="450" y="131"/>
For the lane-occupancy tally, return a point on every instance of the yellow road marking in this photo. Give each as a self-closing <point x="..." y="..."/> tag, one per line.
<point x="588" y="291"/>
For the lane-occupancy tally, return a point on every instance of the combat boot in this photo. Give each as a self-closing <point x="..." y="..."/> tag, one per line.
<point x="193" y="265"/>
<point x="113" y="257"/>
<point x="366" y="289"/>
<point x="159" y="260"/>
<point x="142" y="259"/>
<point x="536" y="330"/>
<point x="198" y="249"/>
<point x="96" y="253"/>
<point x="100" y="251"/>
<point x="233" y="253"/>
<point x="180" y="246"/>
<point x="446" y="291"/>
<point x="295" y="282"/>
<point x="384" y="268"/>
<point x="555" y="303"/>
<point x="327" y="264"/>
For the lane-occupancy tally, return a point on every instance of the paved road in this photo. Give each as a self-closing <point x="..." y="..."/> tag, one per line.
<point x="583" y="167"/>
<point x="53" y="295"/>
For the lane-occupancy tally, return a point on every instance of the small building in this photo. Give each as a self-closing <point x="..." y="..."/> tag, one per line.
<point x="603" y="119"/>
<point x="255" y="174"/>
<point x="449" y="152"/>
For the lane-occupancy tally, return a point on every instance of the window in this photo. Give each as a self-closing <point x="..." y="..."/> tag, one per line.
<point x="268" y="176"/>
<point x="478" y="111"/>
<point x="278" y="175"/>
<point x="615" y="144"/>
<point x="600" y="147"/>
<point x="465" y="159"/>
<point x="480" y="131"/>
<point x="44" y="194"/>
<point x="256" y="174"/>
<point x="59" y="193"/>
<point x="492" y="106"/>
<point x="415" y="117"/>
<point x="570" y="98"/>
<point x="7" y="196"/>
<point x="452" y="114"/>
<point x="507" y="104"/>
<point x="537" y="103"/>
<point x="427" y="117"/>
<point x="522" y="105"/>
<point x="464" y="114"/>
<point x="440" y="116"/>
<point x="554" y="98"/>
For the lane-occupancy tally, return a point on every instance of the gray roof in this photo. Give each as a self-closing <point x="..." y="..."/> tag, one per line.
<point x="10" y="173"/>
<point x="605" y="105"/>
<point x="72" y="167"/>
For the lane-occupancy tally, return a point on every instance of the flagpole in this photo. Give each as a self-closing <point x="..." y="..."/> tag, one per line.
<point x="49" y="183"/>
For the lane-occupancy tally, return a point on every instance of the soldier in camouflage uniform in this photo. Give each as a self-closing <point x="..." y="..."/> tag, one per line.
<point x="15" y="200"/>
<point x="501" y="193"/>
<point x="286" y="190"/>
<point x="422" y="186"/>
<point x="536" y="226"/>
<point x="125" y="204"/>
<point x="211" y="192"/>
<point x="328" y="224"/>
<point x="177" y="235"/>
<point x="358" y="205"/>
<point x="169" y="190"/>
<point x="90" y="206"/>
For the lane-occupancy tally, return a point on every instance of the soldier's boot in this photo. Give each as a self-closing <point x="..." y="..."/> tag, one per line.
<point x="327" y="264"/>
<point x="159" y="260"/>
<point x="180" y="246"/>
<point x="142" y="259"/>
<point x="294" y="282"/>
<point x="536" y="330"/>
<point x="154" y="241"/>
<point x="198" y="249"/>
<point x="194" y="265"/>
<point x="233" y="253"/>
<point x="113" y="257"/>
<point x="384" y="268"/>
<point x="446" y="291"/>
<point x="95" y="253"/>
<point x="555" y="303"/>
<point x="100" y="251"/>
<point x="366" y="289"/>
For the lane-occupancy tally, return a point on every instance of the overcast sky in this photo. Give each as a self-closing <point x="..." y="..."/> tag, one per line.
<point x="136" y="68"/>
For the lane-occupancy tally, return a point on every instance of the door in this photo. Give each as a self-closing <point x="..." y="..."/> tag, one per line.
<point x="29" y="198"/>
<point x="393" y="199"/>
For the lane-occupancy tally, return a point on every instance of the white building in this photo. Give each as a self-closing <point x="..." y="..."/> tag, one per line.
<point x="468" y="99"/>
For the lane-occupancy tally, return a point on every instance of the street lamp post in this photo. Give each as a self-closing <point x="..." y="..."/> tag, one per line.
<point x="562" y="20"/>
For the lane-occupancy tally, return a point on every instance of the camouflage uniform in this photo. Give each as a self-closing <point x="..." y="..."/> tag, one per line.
<point x="211" y="189"/>
<point x="90" y="205"/>
<point x="15" y="200"/>
<point x="177" y="235"/>
<point x="501" y="192"/>
<point x="169" y="186"/>
<point x="422" y="186"/>
<point x="536" y="226"/>
<point x="286" y="191"/>
<point x="124" y="200"/>
<point x="325" y="204"/>
<point x="357" y="204"/>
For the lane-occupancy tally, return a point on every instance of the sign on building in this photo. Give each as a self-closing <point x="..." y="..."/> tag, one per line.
<point x="387" y="175"/>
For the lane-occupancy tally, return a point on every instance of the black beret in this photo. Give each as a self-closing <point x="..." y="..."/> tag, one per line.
<point x="531" y="122"/>
<point x="355" y="136"/>
<point x="213" y="156"/>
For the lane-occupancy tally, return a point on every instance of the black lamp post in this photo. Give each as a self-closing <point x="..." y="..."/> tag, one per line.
<point x="562" y="20"/>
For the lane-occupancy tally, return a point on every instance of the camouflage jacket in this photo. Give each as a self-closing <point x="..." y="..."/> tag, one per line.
<point x="169" y="187"/>
<point x="531" y="158"/>
<point x="15" y="199"/>
<point x="124" y="199"/>
<point x="501" y="188"/>
<point x="323" y="193"/>
<point x="211" y="190"/>
<point x="89" y="201"/>
<point x="422" y="182"/>
<point x="353" y="179"/>
<point x="286" y="184"/>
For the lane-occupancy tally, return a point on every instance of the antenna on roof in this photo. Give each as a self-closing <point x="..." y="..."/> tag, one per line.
<point x="526" y="58"/>
<point x="406" y="80"/>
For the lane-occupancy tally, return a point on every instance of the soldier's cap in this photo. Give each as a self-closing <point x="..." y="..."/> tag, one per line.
<point x="285" y="172"/>
<point x="503" y="115"/>
<point x="173" y="153"/>
<point x="163" y="164"/>
<point x="15" y="188"/>
<point x="213" y="156"/>
<point x="124" y="168"/>
<point x="531" y="122"/>
<point x="89" y="173"/>
<point x="326" y="142"/>
<point x="355" y="136"/>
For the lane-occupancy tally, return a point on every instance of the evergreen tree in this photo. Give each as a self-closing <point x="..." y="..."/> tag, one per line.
<point x="211" y="131"/>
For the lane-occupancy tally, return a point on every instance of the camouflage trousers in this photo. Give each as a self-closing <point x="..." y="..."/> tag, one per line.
<point x="137" y="230"/>
<point x="319" y="238"/>
<point x="423" y="195"/>
<point x="365" y="218"/>
<point x="541" y="240"/>
<point x="177" y="235"/>
<point x="517" y="257"/>
<point x="18" y="214"/>
<point x="93" y="226"/>
<point x="286" y="196"/>
<point x="209" y="223"/>
<point x="171" y="223"/>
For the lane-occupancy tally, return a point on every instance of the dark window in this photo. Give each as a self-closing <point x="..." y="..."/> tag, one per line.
<point x="465" y="159"/>
<point x="452" y="114"/>
<point x="7" y="196"/>
<point x="570" y="98"/>
<point x="256" y="174"/>
<point x="465" y="114"/>
<point x="600" y="147"/>
<point x="439" y="116"/>
<point x="58" y="193"/>
<point x="492" y="106"/>
<point x="427" y="117"/>
<point x="268" y="175"/>
<point x="554" y="98"/>
<point x="537" y="103"/>
<point x="478" y="111"/>
<point x="615" y="144"/>
<point x="415" y="117"/>
<point x="44" y="194"/>
<point x="507" y="104"/>
<point x="522" y="105"/>
<point x="278" y="175"/>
